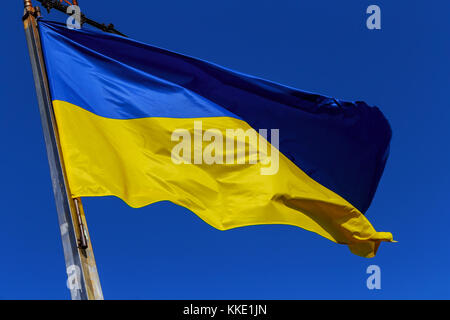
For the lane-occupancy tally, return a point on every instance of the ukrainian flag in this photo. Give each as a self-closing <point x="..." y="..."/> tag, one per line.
<point x="118" y="104"/>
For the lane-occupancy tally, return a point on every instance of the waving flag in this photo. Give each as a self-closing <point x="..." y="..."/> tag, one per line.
<point x="146" y="124"/>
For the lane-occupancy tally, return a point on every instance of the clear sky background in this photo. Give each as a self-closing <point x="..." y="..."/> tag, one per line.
<point x="167" y="252"/>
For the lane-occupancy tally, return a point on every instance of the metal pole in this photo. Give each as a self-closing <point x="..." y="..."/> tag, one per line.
<point x="83" y="280"/>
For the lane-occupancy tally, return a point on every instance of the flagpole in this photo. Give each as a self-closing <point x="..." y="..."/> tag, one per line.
<point x="83" y="281"/>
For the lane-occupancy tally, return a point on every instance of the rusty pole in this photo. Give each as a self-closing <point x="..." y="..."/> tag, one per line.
<point x="83" y="280"/>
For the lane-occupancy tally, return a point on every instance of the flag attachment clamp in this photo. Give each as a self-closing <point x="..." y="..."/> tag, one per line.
<point x="60" y="6"/>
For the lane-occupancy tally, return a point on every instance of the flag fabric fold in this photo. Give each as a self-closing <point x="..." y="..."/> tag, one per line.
<point x="146" y="125"/>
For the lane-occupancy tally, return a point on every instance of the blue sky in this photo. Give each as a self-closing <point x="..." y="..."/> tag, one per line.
<point x="167" y="252"/>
